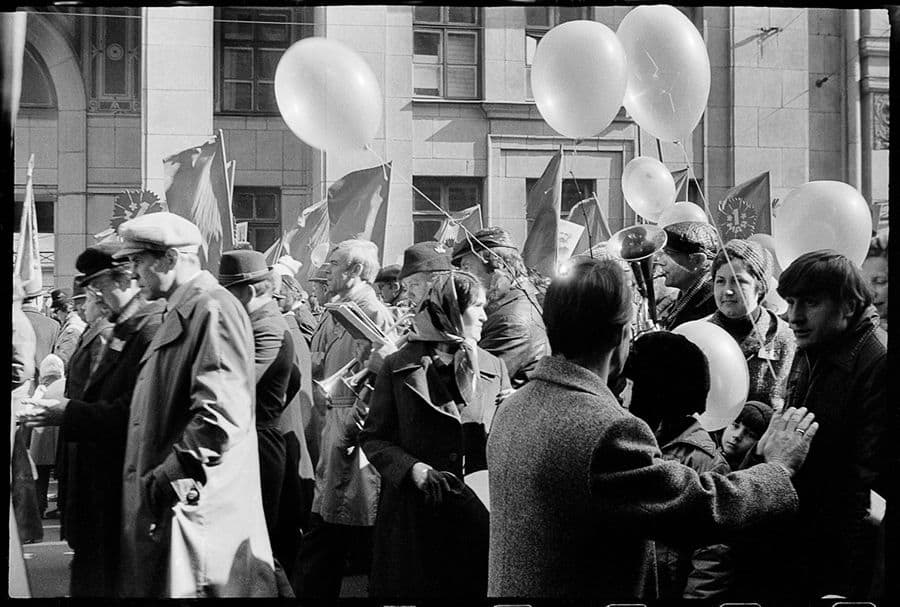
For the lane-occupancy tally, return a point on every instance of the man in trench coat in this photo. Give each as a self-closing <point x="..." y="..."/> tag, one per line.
<point x="191" y="504"/>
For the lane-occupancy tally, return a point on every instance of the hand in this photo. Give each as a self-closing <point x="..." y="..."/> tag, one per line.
<point x="44" y="412"/>
<point x="788" y="437"/>
<point x="376" y="358"/>
<point x="430" y="482"/>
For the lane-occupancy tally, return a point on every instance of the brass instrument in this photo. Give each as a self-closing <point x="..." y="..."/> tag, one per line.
<point x="638" y="245"/>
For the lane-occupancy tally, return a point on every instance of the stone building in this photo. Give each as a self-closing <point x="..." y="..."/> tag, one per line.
<point x="109" y="92"/>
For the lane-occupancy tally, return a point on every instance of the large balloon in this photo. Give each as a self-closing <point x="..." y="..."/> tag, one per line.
<point x="648" y="187"/>
<point x="668" y="71"/>
<point x="578" y="78"/>
<point x="822" y="215"/>
<point x="729" y="379"/>
<point x="328" y="95"/>
<point x="682" y="211"/>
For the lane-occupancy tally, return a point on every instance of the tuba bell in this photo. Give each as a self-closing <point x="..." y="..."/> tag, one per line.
<point x="638" y="245"/>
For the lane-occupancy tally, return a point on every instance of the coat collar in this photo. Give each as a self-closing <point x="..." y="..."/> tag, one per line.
<point x="178" y="309"/>
<point x="94" y="329"/>
<point x="268" y="310"/>
<point x="556" y="370"/>
<point x="694" y="436"/>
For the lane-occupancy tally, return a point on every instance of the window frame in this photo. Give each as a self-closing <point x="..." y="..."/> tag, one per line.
<point x="100" y="101"/>
<point x="589" y="183"/>
<point x="446" y="28"/>
<point x="30" y="53"/>
<point x="539" y="31"/>
<point x="254" y="222"/>
<point x="299" y="21"/>
<point x="445" y="182"/>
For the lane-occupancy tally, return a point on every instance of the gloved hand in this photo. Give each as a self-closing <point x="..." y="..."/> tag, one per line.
<point x="430" y="482"/>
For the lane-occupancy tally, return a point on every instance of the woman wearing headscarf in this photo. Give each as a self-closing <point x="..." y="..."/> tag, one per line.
<point x="427" y="427"/>
<point x="738" y="291"/>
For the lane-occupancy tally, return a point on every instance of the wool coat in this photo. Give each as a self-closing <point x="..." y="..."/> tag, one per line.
<point x="191" y="429"/>
<point x="421" y="550"/>
<point x="346" y="489"/>
<point x="578" y="489"/>
<point x="515" y="332"/>
<point x="46" y="330"/>
<point x="69" y="335"/>
<point x="95" y="425"/>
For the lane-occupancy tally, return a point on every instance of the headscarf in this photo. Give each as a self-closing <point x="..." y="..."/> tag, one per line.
<point x="439" y="320"/>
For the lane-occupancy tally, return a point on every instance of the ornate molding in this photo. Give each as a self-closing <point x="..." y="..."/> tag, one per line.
<point x="881" y="121"/>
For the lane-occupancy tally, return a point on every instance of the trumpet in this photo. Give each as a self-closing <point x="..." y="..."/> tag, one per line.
<point x="638" y="245"/>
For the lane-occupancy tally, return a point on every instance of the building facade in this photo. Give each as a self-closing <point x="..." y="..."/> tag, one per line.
<point x="109" y="92"/>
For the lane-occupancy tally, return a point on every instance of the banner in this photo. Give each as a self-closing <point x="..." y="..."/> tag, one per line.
<point x="587" y="213"/>
<point x="28" y="251"/>
<point x="541" y="252"/>
<point x="569" y="236"/>
<point x="198" y="188"/>
<point x="745" y="210"/>
<point x="357" y="206"/>
<point x="449" y="232"/>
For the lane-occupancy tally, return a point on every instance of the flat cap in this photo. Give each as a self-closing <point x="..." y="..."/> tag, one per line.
<point x="692" y="237"/>
<point x="428" y="256"/>
<point x="96" y="260"/>
<point x="388" y="274"/>
<point x="158" y="232"/>
<point x="491" y="237"/>
<point x="242" y="266"/>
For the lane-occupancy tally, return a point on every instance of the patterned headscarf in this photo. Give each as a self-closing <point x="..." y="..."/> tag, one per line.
<point x="439" y="320"/>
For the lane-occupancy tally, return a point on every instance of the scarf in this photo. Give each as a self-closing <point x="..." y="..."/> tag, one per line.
<point x="439" y="320"/>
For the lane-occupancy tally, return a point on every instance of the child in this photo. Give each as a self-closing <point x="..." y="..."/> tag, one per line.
<point x="741" y="436"/>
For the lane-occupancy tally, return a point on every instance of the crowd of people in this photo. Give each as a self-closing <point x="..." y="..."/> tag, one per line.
<point x="231" y="435"/>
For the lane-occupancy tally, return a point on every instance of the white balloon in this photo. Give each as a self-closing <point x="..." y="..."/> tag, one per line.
<point x="328" y="95"/>
<point x="729" y="379"/>
<point x="822" y="215"/>
<point x="682" y="211"/>
<point x="648" y="187"/>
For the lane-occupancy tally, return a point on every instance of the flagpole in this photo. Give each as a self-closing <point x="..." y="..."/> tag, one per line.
<point x="221" y="137"/>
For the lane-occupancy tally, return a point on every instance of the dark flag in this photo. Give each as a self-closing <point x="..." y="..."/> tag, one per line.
<point x="745" y="210"/>
<point x="587" y="213"/>
<point x="310" y="234"/>
<point x="198" y="188"/>
<point x="357" y="206"/>
<point x="470" y="219"/>
<point x="541" y="250"/>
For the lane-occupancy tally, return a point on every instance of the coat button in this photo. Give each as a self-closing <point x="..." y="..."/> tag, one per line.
<point x="453" y="457"/>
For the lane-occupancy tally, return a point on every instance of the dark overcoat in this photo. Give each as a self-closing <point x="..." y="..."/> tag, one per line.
<point x="515" y="332"/>
<point x="420" y="550"/>
<point x="95" y="425"/>
<point x="578" y="489"/>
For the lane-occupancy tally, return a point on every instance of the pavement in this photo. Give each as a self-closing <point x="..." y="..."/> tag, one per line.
<point x="47" y="562"/>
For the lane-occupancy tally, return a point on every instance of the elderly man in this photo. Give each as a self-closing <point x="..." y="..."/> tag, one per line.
<point x="690" y="249"/>
<point x="583" y="527"/>
<point x="246" y="276"/>
<point x="420" y="262"/>
<point x="387" y="285"/>
<point x="191" y="504"/>
<point x="72" y="326"/>
<point x="346" y="497"/>
<point x="319" y="295"/>
<point x="95" y="423"/>
<point x="514" y="330"/>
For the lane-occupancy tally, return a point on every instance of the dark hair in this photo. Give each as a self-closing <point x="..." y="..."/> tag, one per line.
<point x="586" y="309"/>
<point x="670" y="375"/>
<point x="826" y="273"/>
<point x="467" y="288"/>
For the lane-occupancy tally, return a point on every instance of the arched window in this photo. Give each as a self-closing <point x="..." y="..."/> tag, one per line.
<point x="37" y="87"/>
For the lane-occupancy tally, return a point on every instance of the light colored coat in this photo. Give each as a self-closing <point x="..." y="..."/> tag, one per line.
<point x="192" y="417"/>
<point x="69" y="336"/>
<point x="346" y="492"/>
<point x="578" y="489"/>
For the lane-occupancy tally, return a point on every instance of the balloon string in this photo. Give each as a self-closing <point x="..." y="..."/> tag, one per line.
<point x="755" y="323"/>
<point x="470" y="237"/>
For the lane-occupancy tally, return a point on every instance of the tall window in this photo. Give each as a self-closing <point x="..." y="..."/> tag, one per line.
<point x="112" y="60"/>
<point x="446" y="52"/>
<point x="573" y="192"/>
<point x="249" y="43"/>
<point x="538" y="21"/>
<point x="37" y="87"/>
<point x="261" y="209"/>
<point x="451" y="193"/>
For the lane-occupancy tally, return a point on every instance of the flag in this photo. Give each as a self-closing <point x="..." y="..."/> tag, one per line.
<point x="128" y="205"/>
<point x="470" y="219"/>
<point x="198" y="188"/>
<point x="543" y="207"/>
<point x="28" y="252"/>
<point x="745" y="210"/>
<point x="310" y="233"/>
<point x="681" y="184"/>
<point x="357" y="206"/>
<point x="587" y="213"/>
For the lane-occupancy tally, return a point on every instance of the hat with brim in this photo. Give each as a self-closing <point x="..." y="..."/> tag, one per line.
<point x="486" y="239"/>
<point x="158" y="232"/>
<point x="429" y="256"/>
<point x="242" y="267"/>
<point x="96" y="261"/>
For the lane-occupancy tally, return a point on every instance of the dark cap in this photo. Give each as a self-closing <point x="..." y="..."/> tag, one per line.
<point x="388" y="274"/>
<point x="428" y="256"/>
<point x="690" y="237"/>
<point x="491" y="237"/>
<point x="97" y="260"/>
<point x="243" y="266"/>
<point x="60" y="299"/>
<point x="756" y="416"/>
